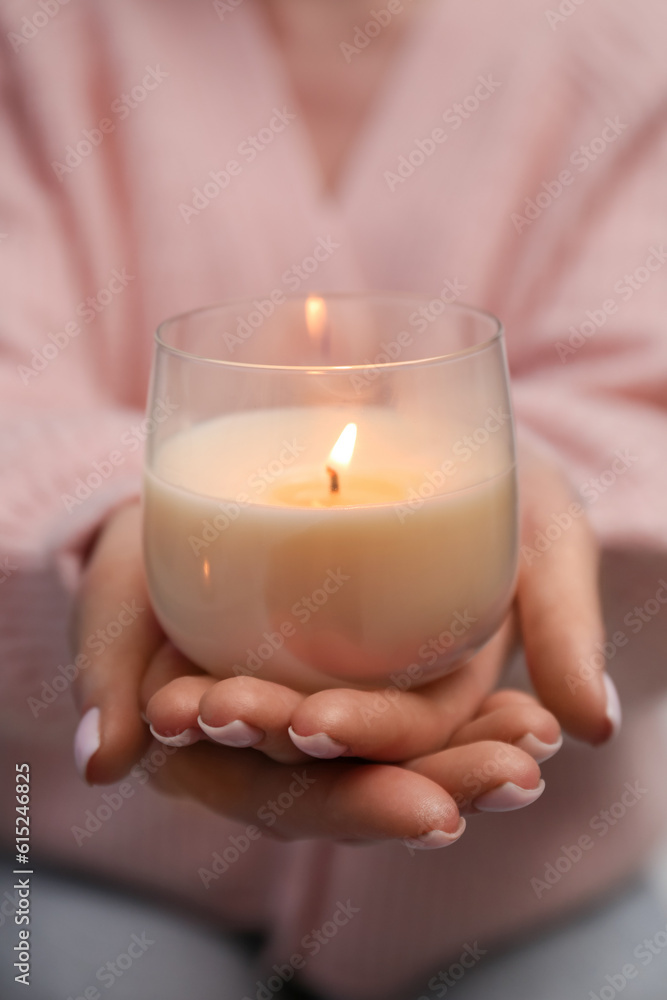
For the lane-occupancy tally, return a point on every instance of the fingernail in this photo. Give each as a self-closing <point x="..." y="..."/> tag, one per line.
<point x="435" y="839"/>
<point x="538" y="750"/>
<point x="86" y="740"/>
<point x="184" y="739"/>
<point x="614" y="712"/>
<point x="507" y="797"/>
<point x="317" y="745"/>
<point x="234" y="734"/>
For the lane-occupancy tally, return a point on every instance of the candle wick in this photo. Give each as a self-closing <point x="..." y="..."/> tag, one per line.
<point x="334" y="479"/>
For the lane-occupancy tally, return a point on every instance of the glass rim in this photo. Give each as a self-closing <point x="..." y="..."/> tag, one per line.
<point x="465" y="307"/>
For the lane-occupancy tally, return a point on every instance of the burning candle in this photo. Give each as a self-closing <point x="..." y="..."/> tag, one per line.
<point x="339" y="487"/>
<point x="243" y="540"/>
<point x="329" y="543"/>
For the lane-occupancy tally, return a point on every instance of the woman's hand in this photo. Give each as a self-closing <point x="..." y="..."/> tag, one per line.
<point x="346" y="799"/>
<point x="421" y="803"/>
<point x="557" y="607"/>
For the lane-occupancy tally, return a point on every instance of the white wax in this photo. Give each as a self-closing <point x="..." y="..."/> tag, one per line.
<point x="243" y="581"/>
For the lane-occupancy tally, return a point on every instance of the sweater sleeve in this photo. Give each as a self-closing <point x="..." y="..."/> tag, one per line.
<point x="589" y="360"/>
<point x="69" y="452"/>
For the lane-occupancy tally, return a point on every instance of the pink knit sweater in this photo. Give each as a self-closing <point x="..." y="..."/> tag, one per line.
<point x="152" y="160"/>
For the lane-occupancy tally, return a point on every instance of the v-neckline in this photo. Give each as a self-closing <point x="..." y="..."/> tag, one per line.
<point x="271" y="70"/>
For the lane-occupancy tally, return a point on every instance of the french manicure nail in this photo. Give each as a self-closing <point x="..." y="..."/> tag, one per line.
<point x="184" y="739"/>
<point x="538" y="750"/>
<point x="614" y="712"/>
<point x="507" y="797"/>
<point x="86" y="740"/>
<point x="234" y="734"/>
<point x="318" y="745"/>
<point x="435" y="839"/>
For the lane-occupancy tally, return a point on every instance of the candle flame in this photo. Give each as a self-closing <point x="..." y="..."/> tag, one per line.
<point x="341" y="453"/>
<point x="316" y="316"/>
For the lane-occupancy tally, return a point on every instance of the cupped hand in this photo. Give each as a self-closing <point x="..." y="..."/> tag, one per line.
<point x="558" y="611"/>
<point x="346" y="799"/>
<point x="421" y="803"/>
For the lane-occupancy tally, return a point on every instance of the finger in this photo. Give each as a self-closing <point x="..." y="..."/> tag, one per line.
<point x="238" y="711"/>
<point x="167" y="665"/>
<point x="340" y="800"/>
<point x="173" y="687"/>
<point x="394" y="724"/>
<point x="525" y="724"/>
<point x="247" y="711"/>
<point x="560" y="613"/>
<point x="174" y="708"/>
<point x="116" y="631"/>
<point x="484" y="777"/>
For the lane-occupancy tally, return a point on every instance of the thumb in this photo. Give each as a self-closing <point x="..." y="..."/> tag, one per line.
<point x="560" y="613"/>
<point x="116" y="634"/>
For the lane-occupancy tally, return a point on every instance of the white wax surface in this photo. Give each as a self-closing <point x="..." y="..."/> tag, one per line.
<point x="317" y="597"/>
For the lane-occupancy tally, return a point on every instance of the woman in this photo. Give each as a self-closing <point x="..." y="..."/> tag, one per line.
<point x="141" y="181"/>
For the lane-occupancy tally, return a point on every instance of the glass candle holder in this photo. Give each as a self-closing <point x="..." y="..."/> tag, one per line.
<point x="330" y="498"/>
